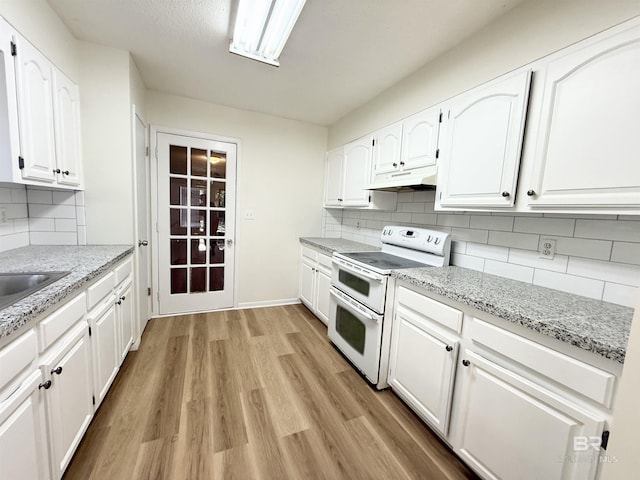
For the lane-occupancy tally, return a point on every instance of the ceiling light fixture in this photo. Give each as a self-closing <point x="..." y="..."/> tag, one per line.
<point x="263" y="27"/>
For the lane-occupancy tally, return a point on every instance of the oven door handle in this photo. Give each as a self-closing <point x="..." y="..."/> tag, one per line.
<point x="366" y="315"/>
<point x="359" y="272"/>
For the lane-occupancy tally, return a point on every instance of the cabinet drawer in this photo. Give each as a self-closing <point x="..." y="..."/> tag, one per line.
<point x="123" y="270"/>
<point x="56" y="324"/>
<point x="438" y="312"/>
<point x="324" y="261"/>
<point x="100" y="289"/>
<point x="16" y="356"/>
<point x="310" y="254"/>
<point x="591" y="382"/>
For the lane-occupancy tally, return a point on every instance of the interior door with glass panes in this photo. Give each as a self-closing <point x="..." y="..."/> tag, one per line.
<point x="195" y="215"/>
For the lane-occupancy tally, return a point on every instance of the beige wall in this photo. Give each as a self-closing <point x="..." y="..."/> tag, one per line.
<point x="138" y="90"/>
<point x="280" y="171"/>
<point x="39" y="24"/>
<point x="106" y="142"/>
<point x="530" y="31"/>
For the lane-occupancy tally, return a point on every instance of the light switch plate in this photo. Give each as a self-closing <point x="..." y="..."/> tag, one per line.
<point x="548" y="248"/>
<point x="249" y="214"/>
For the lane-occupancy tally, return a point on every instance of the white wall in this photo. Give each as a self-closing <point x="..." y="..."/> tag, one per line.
<point x="138" y="90"/>
<point x="280" y="171"/>
<point x="106" y="141"/>
<point x="531" y="30"/>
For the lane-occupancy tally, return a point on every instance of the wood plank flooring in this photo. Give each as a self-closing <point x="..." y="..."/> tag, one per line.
<point x="252" y="394"/>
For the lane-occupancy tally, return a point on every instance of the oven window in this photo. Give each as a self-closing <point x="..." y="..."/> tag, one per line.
<point x="353" y="282"/>
<point x="350" y="329"/>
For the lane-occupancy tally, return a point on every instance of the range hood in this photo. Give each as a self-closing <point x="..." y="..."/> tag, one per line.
<point x="422" y="179"/>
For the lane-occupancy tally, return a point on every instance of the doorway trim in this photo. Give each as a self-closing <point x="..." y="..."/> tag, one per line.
<point x="155" y="262"/>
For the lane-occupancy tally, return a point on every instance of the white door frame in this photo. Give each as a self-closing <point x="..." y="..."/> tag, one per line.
<point x="141" y="323"/>
<point x="155" y="130"/>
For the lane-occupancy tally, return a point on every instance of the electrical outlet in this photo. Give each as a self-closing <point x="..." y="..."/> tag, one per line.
<point x="249" y="214"/>
<point x="3" y="216"/>
<point x="548" y="248"/>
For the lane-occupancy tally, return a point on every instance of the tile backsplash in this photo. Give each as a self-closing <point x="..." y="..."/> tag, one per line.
<point x="41" y="216"/>
<point x="596" y="256"/>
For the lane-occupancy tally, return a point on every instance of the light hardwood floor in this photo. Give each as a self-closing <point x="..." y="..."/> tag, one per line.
<point x="252" y="394"/>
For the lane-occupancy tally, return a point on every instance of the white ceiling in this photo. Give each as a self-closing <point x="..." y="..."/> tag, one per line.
<point x="341" y="53"/>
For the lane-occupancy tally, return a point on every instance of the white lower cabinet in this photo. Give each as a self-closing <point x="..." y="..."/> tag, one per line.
<point x="69" y="396"/>
<point x="315" y="280"/>
<point x="23" y="443"/>
<point x="510" y="427"/>
<point x="103" y="322"/>
<point x="124" y="312"/>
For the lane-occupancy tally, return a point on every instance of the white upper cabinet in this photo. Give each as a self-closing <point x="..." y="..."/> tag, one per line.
<point x="406" y="152"/>
<point x="334" y="178"/>
<point x="35" y="109"/>
<point x="587" y="153"/>
<point x="357" y="161"/>
<point x="482" y="143"/>
<point x="9" y="140"/>
<point x="67" y="129"/>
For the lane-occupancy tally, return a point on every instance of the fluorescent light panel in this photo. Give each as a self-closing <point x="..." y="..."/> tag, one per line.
<point x="263" y="27"/>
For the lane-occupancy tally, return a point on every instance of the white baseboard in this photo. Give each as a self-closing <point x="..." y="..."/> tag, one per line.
<point x="269" y="303"/>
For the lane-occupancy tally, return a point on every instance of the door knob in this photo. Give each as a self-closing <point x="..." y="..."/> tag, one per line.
<point x="143" y="243"/>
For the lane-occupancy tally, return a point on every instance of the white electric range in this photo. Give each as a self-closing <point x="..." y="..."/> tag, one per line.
<point x="359" y="294"/>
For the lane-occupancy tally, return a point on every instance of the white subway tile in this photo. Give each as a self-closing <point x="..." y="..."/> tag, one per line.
<point x="405" y="197"/>
<point x="7" y="228"/>
<point x="587" y="287"/>
<point x="21" y="225"/>
<point x="52" y="211"/>
<point x="525" y="241"/>
<point x="532" y="259"/>
<point x="424" y="218"/>
<point x="580" y="247"/>
<point x="508" y="270"/>
<point x="458" y="247"/>
<point x="622" y="230"/>
<point x="15" y="240"/>
<point x="367" y="215"/>
<point x="42" y="225"/>
<point x="491" y="222"/>
<point x="430" y="207"/>
<point x="54" y="238"/>
<point x="428" y="196"/>
<point x="621" y="294"/>
<point x="624" y="252"/>
<point x="19" y="195"/>
<point x="79" y="197"/>
<point x="470" y="235"/>
<point x="412" y="207"/>
<point x="374" y="224"/>
<point x="582" y="216"/>
<point x="82" y="235"/>
<point x="382" y="216"/>
<point x="487" y="251"/>
<point x="64" y="198"/>
<point x="5" y="195"/>
<point x="401" y="217"/>
<point x="16" y="210"/>
<point x="462" y="260"/>
<point x="545" y="226"/>
<point x="40" y="196"/>
<point x="66" y="225"/>
<point x="451" y="220"/>
<point x="611" y="272"/>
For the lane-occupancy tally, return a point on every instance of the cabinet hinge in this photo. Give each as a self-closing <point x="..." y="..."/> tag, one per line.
<point x="437" y="153"/>
<point x="440" y="119"/>
<point x="20" y="163"/>
<point x="14" y="49"/>
<point x="604" y="440"/>
<point x="93" y="399"/>
<point x="148" y="291"/>
<point x="369" y="198"/>
<point x="146" y="151"/>
<point x="373" y="142"/>
<point x="440" y="195"/>
<point x="156" y="153"/>
<point x="89" y="330"/>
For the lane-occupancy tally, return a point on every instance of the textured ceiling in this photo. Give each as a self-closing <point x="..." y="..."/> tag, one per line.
<point x="341" y="53"/>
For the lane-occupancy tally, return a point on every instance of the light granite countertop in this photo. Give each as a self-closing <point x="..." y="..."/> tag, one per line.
<point x="330" y="245"/>
<point x="592" y="325"/>
<point x="84" y="262"/>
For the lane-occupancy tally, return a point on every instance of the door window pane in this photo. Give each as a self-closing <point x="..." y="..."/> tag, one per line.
<point x="217" y="251"/>
<point x="198" y="223"/>
<point x="178" y="252"/>
<point x="351" y="329"/>
<point x="198" y="193"/>
<point x="351" y="281"/>
<point x="198" y="280"/>
<point x="217" y="194"/>
<point x="217" y="224"/>
<point x="218" y="165"/>
<point x="178" y="160"/>
<point x="198" y="162"/>
<point x="199" y="251"/>
<point x="178" y="280"/>
<point x="178" y="221"/>
<point x="177" y="191"/>
<point x="216" y="279"/>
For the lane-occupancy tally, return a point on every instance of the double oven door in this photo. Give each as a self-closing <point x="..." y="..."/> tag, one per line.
<point x="356" y="309"/>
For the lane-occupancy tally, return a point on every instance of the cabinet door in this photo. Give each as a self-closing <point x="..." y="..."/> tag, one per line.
<point x="357" y="163"/>
<point x="422" y="367"/>
<point x="104" y="344"/>
<point x="386" y="152"/>
<point x="509" y="427"/>
<point x="67" y="130"/>
<point x="69" y="404"/>
<point x="9" y="141"/>
<point x="480" y="155"/>
<point x="125" y="320"/>
<point x="420" y="139"/>
<point x="323" y="282"/>
<point x="334" y="180"/>
<point x="35" y="105"/>
<point x="588" y="149"/>
<point x="307" y="283"/>
<point x="23" y="443"/>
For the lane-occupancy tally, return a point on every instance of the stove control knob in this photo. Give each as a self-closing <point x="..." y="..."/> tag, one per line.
<point x="429" y="238"/>
<point x="436" y="241"/>
<point x="390" y="232"/>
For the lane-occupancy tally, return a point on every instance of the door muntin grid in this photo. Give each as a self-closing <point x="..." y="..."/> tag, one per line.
<point x="197" y="212"/>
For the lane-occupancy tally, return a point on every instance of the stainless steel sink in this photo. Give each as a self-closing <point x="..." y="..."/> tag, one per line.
<point x="15" y="286"/>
